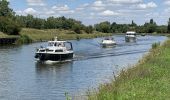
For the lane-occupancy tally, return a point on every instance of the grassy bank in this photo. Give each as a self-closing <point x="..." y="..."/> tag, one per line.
<point x="2" y="35"/>
<point x="48" y="34"/>
<point x="148" y="80"/>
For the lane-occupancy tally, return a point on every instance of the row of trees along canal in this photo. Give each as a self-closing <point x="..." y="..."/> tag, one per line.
<point x="11" y="24"/>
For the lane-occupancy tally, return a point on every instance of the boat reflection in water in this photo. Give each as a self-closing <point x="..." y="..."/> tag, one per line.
<point x="53" y="68"/>
<point x="130" y="36"/>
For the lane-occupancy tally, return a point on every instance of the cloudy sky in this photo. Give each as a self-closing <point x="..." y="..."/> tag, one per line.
<point x="95" y="11"/>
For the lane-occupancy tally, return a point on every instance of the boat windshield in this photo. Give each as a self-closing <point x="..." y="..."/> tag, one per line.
<point x="109" y="38"/>
<point x="50" y="43"/>
<point x="58" y="44"/>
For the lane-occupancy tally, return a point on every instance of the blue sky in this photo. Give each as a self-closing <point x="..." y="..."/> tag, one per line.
<point x="95" y="11"/>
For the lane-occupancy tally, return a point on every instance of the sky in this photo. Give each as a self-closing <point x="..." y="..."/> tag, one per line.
<point x="90" y="12"/>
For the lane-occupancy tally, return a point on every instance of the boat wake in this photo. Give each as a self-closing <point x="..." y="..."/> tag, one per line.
<point x="107" y="54"/>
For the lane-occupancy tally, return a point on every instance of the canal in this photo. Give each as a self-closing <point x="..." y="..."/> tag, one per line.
<point x="22" y="78"/>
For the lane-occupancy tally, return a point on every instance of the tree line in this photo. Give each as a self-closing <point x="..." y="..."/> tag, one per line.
<point x="30" y="21"/>
<point x="11" y="24"/>
<point x="148" y="27"/>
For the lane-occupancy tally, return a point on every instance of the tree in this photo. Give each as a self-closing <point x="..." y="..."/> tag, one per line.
<point x="133" y="24"/>
<point x="8" y="23"/>
<point x="103" y="27"/>
<point x="76" y="28"/>
<point x="113" y="27"/>
<point x="168" y="28"/>
<point x="89" y="29"/>
<point x="8" y="26"/>
<point x="5" y="10"/>
<point x="151" y="21"/>
<point x="150" y="27"/>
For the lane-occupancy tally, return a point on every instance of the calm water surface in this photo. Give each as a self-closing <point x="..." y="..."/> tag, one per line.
<point x="21" y="78"/>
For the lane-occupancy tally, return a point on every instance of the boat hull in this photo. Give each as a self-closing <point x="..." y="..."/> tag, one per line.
<point x="130" y="39"/>
<point x="108" y="44"/>
<point x="53" y="57"/>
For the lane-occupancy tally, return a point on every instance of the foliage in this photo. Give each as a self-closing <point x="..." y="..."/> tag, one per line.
<point x="89" y="29"/>
<point x="168" y="28"/>
<point x="5" y="10"/>
<point x="49" y="34"/>
<point x="76" y="28"/>
<point x="24" y="39"/>
<point x="148" y="27"/>
<point x="8" y="26"/>
<point x="155" y="45"/>
<point x="103" y="27"/>
<point x="30" y="21"/>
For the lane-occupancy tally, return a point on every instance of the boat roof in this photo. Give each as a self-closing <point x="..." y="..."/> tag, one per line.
<point x="133" y="32"/>
<point x="108" y="38"/>
<point x="58" y="41"/>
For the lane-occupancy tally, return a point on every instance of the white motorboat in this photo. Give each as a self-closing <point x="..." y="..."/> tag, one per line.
<point x="108" y="42"/>
<point x="130" y="36"/>
<point x="55" y="51"/>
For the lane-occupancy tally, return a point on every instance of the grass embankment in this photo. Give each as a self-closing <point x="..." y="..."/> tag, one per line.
<point x="148" y="80"/>
<point x="2" y="35"/>
<point x="48" y="34"/>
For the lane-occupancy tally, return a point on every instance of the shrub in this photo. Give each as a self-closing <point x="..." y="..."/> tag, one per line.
<point x="9" y="26"/>
<point x="155" y="45"/>
<point x="24" y="39"/>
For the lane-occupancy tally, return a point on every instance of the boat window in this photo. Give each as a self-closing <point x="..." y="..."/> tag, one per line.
<point x="49" y="50"/>
<point x="68" y="46"/>
<point x="58" y="50"/>
<point x="61" y="44"/>
<point x="42" y="50"/>
<point x="50" y="44"/>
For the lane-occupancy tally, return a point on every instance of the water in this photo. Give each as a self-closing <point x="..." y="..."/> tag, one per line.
<point x="21" y="78"/>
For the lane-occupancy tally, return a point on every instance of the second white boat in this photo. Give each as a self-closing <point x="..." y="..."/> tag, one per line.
<point x="108" y="42"/>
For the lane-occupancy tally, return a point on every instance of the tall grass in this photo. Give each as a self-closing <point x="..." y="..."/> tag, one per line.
<point x="148" y="80"/>
<point x="49" y="34"/>
<point x="155" y="45"/>
<point x="2" y="35"/>
<point x="23" y="39"/>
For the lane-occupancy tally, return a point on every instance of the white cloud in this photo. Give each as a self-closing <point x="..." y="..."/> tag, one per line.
<point x="147" y="6"/>
<point x="61" y="8"/>
<point x="19" y="12"/>
<point x="167" y="10"/>
<point x="167" y="2"/>
<point x="50" y="12"/>
<point x="67" y="12"/>
<point x="108" y="13"/>
<point x="98" y="5"/>
<point x="98" y="8"/>
<point x="35" y="2"/>
<point x="82" y="7"/>
<point x="125" y="1"/>
<point x="30" y="11"/>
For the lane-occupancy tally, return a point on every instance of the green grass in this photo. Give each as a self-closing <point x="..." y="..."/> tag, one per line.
<point x="49" y="34"/>
<point x="2" y="35"/>
<point x="148" y="80"/>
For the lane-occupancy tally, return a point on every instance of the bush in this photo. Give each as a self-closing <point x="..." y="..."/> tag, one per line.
<point x="9" y="26"/>
<point x="77" y="29"/>
<point x="24" y="39"/>
<point x="155" y="45"/>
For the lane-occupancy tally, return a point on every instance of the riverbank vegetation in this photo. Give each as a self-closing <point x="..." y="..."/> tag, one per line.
<point x="49" y="34"/>
<point x="149" y="79"/>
